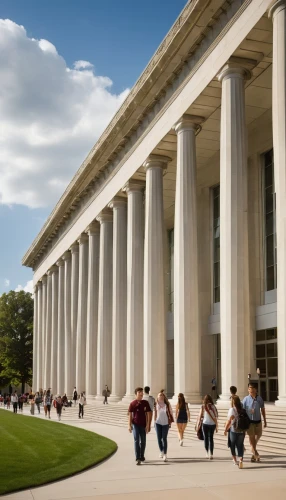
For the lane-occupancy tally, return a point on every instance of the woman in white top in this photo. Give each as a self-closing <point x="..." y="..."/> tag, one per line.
<point x="81" y="402"/>
<point x="236" y="436"/>
<point x="163" y="419"/>
<point x="208" y="418"/>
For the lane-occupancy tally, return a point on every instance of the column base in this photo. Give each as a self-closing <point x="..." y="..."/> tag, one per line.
<point x="99" y="398"/>
<point x="126" y="400"/>
<point x="91" y="398"/>
<point x="192" y="398"/>
<point x="114" y="399"/>
<point x="281" y="401"/>
<point x="223" y="402"/>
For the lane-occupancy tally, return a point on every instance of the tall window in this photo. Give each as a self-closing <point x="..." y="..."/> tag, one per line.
<point x="171" y="276"/>
<point x="266" y="361"/>
<point x="216" y="245"/>
<point x="270" y="222"/>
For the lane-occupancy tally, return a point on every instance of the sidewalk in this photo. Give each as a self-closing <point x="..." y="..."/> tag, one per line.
<point x="187" y="474"/>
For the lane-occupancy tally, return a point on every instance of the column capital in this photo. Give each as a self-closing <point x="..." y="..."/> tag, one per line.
<point x="66" y="255"/>
<point x="134" y="185"/>
<point x="39" y="285"/>
<point x="237" y="66"/>
<point x="105" y="216"/>
<point x="44" y="280"/>
<point x="60" y="262"/>
<point x="52" y="270"/>
<point x="189" y="122"/>
<point x="93" y="228"/>
<point x="276" y="7"/>
<point x="118" y="202"/>
<point x="156" y="161"/>
<point x="74" y="248"/>
<point x="35" y="289"/>
<point x="82" y="239"/>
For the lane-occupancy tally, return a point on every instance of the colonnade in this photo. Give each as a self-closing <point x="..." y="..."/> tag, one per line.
<point x="100" y="313"/>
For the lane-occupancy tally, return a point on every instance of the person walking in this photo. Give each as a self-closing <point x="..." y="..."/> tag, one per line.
<point x="139" y="422"/>
<point x="38" y="401"/>
<point x="106" y="394"/>
<point x="81" y="401"/>
<point x="254" y="406"/>
<point x="32" y="403"/>
<point x="163" y="420"/>
<point x="147" y="397"/>
<point x="59" y="406"/>
<point x="14" y="400"/>
<point x="74" y="396"/>
<point x="47" y="403"/>
<point x="182" y="416"/>
<point x="209" y="417"/>
<point x="21" y="402"/>
<point x="236" y="435"/>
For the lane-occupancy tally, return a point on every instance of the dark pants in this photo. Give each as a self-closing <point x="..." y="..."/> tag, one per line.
<point x="208" y="431"/>
<point x="48" y="409"/>
<point x="162" y="433"/>
<point x="39" y="408"/>
<point x="80" y="410"/>
<point x="236" y="441"/>
<point x="75" y="401"/>
<point x="20" y="404"/>
<point x="105" y="402"/>
<point x="15" y="405"/>
<point x="139" y="434"/>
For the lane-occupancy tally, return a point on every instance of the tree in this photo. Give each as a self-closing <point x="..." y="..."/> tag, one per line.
<point x="16" y="338"/>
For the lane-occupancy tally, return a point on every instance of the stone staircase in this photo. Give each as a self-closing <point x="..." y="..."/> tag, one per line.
<point x="273" y="440"/>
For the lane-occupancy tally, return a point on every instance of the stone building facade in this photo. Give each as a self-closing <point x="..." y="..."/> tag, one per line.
<point x="163" y="262"/>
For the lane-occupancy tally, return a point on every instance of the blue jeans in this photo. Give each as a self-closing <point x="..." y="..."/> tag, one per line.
<point x="208" y="432"/>
<point x="139" y="434"/>
<point x="236" y="441"/>
<point x="162" y="433"/>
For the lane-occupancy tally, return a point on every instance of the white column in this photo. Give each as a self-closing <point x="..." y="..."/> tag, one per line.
<point x="119" y="206"/>
<point x="104" y="332"/>
<point x="61" y="329"/>
<point x="68" y="383"/>
<point x="92" y="309"/>
<point x="135" y="263"/>
<point x="54" y="337"/>
<point x="48" y="334"/>
<point x="187" y="352"/>
<point x="44" y="317"/>
<point x="74" y="306"/>
<point x="278" y="13"/>
<point x="40" y="339"/>
<point x="233" y="206"/>
<point x="82" y="313"/>
<point x="155" y="341"/>
<point x="35" y="341"/>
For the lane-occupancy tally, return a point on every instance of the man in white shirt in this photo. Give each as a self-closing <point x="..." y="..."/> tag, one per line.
<point x="149" y="398"/>
<point x="14" y="401"/>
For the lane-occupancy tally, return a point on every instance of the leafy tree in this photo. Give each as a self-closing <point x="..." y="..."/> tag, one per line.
<point x="16" y="338"/>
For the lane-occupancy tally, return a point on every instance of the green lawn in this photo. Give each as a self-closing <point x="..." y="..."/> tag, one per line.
<point x="35" y="451"/>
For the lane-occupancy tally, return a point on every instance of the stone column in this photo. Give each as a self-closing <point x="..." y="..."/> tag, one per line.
<point x="187" y="356"/>
<point x="68" y="382"/>
<point x="47" y="378"/>
<point x="278" y="14"/>
<point x="54" y="336"/>
<point x="40" y="339"/>
<point x="44" y="317"/>
<point x="104" y="332"/>
<point x="233" y="233"/>
<point x="82" y="313"/>
<point x="61" y="329"/>
<point x="92" y="310"/>
<point x="35" y="341"/>
<point x="74" y="306"/>
<point x="155" y="340"/>
<point x="135" y="263"/>
<point x="119" y="206"/>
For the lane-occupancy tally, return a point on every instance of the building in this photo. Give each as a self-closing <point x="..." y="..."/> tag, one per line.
<point x="163" y="262"/>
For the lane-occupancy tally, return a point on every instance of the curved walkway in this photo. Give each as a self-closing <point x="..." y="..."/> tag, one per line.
<point x="187" y="474"/>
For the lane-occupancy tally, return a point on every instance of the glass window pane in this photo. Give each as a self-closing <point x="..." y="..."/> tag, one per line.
<point x="272" y="367"/>
<point x="269" y="229"/>
<point x="268" y="158"/>
<point x="217" y="249"/>
<point x="271" y="350"/>
<point x="260" y="335"/>
<point x="271" y="334"/>
<point x="216" y="208"/>
<point x="261" y="364"/>
<point x="216" y="191"/>
<point x="270" y="278"/>
<point x="260" y="351"/>
<point x="270" y="250"/>
<point x="217" y="295"/>
<point x="268" y="179"/>
<point x="268" y="200"/>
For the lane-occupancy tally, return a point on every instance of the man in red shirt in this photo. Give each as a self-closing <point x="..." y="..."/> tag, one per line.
<point x="140" y="416"/>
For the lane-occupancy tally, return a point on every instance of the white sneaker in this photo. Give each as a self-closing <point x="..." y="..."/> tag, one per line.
<point x="181" y="442"/>
<point x="211" y="457"/>
<point x="165" y="458"/>
<point x="207" y="455"/>
<point x="161" y="455"/>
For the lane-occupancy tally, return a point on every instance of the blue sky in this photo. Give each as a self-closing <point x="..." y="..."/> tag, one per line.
<point x="44" y="141"/>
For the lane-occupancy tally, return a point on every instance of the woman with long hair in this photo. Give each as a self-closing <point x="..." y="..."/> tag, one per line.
<point x="236" y="436"/>
<point x="208" y="418"/>
<point x="163" y="419"/>
<point x="182" y="416"/>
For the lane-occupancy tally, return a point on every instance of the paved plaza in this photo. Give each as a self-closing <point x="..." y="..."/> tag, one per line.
<point x="187" y="474"/>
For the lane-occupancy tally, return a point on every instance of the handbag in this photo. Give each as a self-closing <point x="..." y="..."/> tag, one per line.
<point x="170" y="416"/>
<point x="200" y="434"/>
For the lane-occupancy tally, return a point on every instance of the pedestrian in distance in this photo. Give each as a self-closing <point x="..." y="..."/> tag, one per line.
<point x="14" y="400"/>
<point x="59" y="406"/>
<point x="209" y="417"/>
<point x="139" y="422"/>
<point x="81" y="404"/>
<point x="254" y="406"/>
<point x="38" y="401"/>
<point x="182" y="416"/>
<point x="147" y="396"/>
<point x="32" y="404"/>
<point x="74" y="396"/>
<point x="234" y="424"/>
<point x="163" y="419"/>
<point x="106" y="394"/>
<point x="233" y="391"/>
<point x="47" y="403"/>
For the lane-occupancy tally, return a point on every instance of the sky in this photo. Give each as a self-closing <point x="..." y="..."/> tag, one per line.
<point x="66" y="66"/>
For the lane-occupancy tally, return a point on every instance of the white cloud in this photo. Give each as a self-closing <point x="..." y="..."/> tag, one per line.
<point x="7" y="282"/>
<point x="27" y="288"/>
<point x="51" y="116"/>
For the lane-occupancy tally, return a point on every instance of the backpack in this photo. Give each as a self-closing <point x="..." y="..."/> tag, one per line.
<point x="75" y="395"/>
<point x="243" y="421"/>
